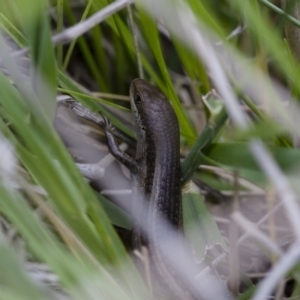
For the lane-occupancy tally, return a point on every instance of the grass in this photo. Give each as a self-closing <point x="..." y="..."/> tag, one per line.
<point x="184" y="50"/>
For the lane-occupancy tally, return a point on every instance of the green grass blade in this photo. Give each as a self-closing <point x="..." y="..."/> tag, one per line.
<point x="194" y="158"/>
<point x="35" y="22"/>
<point x="152" y="37"/>
<point x="200" y="228"/>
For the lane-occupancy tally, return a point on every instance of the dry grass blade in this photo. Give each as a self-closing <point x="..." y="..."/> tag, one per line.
<point x="83" y="27"/>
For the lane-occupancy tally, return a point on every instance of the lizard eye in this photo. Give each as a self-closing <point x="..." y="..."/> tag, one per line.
<point x="137" y="98"/>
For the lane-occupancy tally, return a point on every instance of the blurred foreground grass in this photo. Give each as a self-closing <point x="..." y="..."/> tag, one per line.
<point x="50" y="215"/>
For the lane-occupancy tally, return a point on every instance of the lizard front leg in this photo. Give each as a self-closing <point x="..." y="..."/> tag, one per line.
<point x="115" y="150"/>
